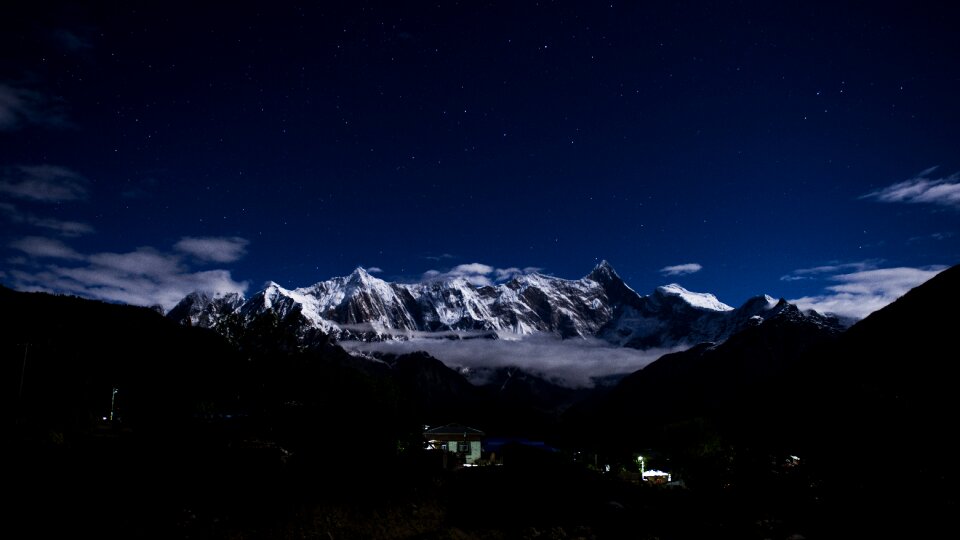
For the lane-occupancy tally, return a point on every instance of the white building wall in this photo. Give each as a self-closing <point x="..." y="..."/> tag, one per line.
<point x="474" y="454"/>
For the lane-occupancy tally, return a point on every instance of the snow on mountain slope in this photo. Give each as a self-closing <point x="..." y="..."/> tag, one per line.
<point x="362" y="307"/>
<point x="698" y="300"/>
<point x="674" y="316"/>
<point x="205" y="310"/>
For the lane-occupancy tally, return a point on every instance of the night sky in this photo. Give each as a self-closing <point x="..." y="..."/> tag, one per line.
<point x="808" y="150"/>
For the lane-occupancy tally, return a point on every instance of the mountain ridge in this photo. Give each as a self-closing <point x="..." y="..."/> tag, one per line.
<point x="362" y="307"/>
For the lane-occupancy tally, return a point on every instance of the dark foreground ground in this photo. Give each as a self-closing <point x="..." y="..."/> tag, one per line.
<point x="257" y="438"/>
<point x="113" y="485"/>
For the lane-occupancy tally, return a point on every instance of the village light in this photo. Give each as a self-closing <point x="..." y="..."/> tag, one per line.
<point x="640" y="462"/>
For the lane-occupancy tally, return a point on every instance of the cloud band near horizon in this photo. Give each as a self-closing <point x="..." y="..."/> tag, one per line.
<point x="145" y="276"/>
<point x="858" y="294"/>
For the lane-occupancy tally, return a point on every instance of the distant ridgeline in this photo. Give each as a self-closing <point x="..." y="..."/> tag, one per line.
<point x="601" y="305"/>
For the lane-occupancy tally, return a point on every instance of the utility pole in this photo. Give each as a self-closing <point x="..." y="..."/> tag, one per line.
<point x="113" y="401"/>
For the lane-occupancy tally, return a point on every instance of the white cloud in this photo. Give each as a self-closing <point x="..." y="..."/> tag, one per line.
<point x="571" y="362"/>
<point x="20" y="106"/>
<point x="143" y="261"/>
<point x="944" y="191"/>
<point x="64" y="228"/>
<point x="681" y="269"/>
<point x="61" y="227"/>
<point x="439" y="257"/>
<point x="115" y="286"/>
<point x="478" y="274"/>
<point x="213" y="249"/>
<point x="506" y="274"/>
<point x="38" y="246"/>
<point x="857" y="294"/>
<point x="144" y="276"/>
<point x="374" y="270"/>
<point x="834" y="268"/>
<point x="472" y="268"/>
<point x="43" y="183"/>
<point x="475" y="273"/>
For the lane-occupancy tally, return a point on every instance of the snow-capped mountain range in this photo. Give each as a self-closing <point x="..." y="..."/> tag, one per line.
<point x="363" y="307"/>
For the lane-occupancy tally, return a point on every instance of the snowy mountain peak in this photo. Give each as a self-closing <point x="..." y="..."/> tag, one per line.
<point x="602" y="272"/>
<point x="360" y="275"/>
<point x="273" y="286"/>
<point x="604" y="265"/>
<point x="360" y="306"/>
<point x="270" y="293"/>
<point x="201" y="308"/>
<point x="757" y="304"/>
<point x="705" y="301"/>
<point x="360" y="272"/>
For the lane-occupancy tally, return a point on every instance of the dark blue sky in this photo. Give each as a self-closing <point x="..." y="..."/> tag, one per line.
<point x="783" y="148"/>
